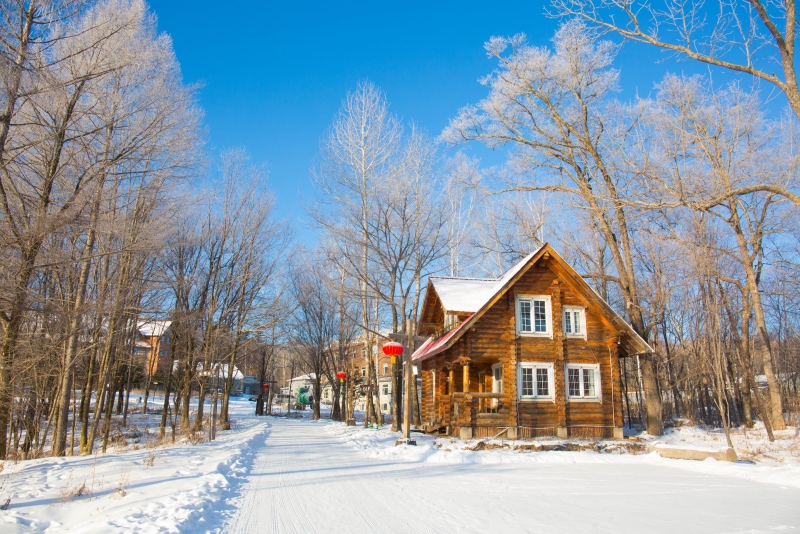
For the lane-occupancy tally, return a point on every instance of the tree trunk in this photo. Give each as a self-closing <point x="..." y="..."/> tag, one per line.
<point x="167" y="390"/>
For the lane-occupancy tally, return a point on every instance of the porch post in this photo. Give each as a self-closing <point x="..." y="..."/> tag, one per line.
<point x="466" y="377"/>
<point x="451" y="383"/>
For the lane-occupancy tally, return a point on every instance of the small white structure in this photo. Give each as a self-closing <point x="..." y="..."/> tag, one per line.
<point x="218" y="373"/>
<point x="300" y="382"/>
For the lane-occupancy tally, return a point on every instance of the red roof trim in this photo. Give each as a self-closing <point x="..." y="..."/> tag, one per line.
<point x="430" y="346"/>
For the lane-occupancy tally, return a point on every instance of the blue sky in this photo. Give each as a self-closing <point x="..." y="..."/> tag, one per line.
<point x="274" y="74"/>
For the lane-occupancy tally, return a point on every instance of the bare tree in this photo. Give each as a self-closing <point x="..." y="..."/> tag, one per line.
<point x="95" y="117"/>
<point x="357" y="160"/>
<point x="314" y="325"/>
<point x="704" y="146"/>
<point x="751" y="37"/>
<point x="258" y="241"/>
<point x="553" y="108"/>
<point x="462" y="177"/>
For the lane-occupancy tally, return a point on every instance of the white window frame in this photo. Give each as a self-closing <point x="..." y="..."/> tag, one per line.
<point x="548" y="315"/>
<point x="551" y="386"/>
<point x="497" y="384"/>
<point x="386" y="368"/>
<point x="581" y="318"/>
<point x="583" y="397"/>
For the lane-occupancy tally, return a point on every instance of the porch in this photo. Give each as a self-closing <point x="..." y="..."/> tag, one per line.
<point x="472" y="414"/>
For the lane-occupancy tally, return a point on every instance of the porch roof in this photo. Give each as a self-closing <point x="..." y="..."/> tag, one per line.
<point x="431" y="345"/>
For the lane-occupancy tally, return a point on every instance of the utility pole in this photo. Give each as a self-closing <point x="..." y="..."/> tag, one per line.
<point x="408" y="377"/>
<point x="409" y="341"/>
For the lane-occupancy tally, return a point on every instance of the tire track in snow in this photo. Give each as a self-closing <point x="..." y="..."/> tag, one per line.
<point x="387" y="518"/>
<point x="289" y="492"/>
<point x="305" y="478"/>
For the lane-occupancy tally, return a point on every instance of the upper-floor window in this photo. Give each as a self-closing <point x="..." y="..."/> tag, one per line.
<point x="575" y="321"/>
<point x="450" y="320"/>
<point x="363" y="371"/>
<point x="386" y="368"/>
<point x="534" y="316"/>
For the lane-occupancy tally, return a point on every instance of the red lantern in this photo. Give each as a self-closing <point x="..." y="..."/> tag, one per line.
<point x="341" y="375"/>
<point x="265" y="386"/>
<point x="393" y="349"/>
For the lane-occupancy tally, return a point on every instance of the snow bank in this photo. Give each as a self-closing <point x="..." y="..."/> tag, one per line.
<point x="781" y="467"/>
<point x="156" y="489"/>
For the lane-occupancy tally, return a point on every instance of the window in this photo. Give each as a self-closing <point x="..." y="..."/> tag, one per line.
<point x="384" y="407"/>
<point x="497" y="378"/>
<point x="534" y="316"/>
<point x="583" y="382"/>
<point x="385" y="390"/>
<point x="574" y="322"/>
<point x="535" y="381"/>
<point x="450" y="320"/>
<point x="363" y="371"/>
<point x="386" y="368"/>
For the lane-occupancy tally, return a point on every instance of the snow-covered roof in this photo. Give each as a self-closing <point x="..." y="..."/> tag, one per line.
<point x="462" y="294"/>
<point x="468" y="295"/>
<point x="223" y="370"/>
<point x="473" y="296"/>
<point x="309" y="376"/>
<point x="153" y="328"/>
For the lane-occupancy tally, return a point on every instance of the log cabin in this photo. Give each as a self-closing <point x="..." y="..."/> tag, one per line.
<point x="533" y="353"/>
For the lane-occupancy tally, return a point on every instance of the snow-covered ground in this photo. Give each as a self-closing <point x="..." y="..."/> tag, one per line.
<point x="295" y="475"/>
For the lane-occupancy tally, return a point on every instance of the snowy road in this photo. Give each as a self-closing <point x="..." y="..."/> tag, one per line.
<point x="304" y="479"/>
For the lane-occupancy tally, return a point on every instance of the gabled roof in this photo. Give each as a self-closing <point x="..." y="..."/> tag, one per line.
<point x="487" y="292"/>
<point x="468" y="295"/>
<point x="309" y="376"/>
<point x="153" y="327"/>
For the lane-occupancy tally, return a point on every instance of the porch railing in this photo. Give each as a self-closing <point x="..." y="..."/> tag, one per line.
<point x="476" y="409"/>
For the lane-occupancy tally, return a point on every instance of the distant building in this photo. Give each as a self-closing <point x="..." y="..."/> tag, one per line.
<point x="153" y="344"/>
<point x="251" y="385"/>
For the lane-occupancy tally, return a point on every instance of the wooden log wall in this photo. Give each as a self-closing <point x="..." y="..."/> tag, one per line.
<point x="493" y="339"/>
